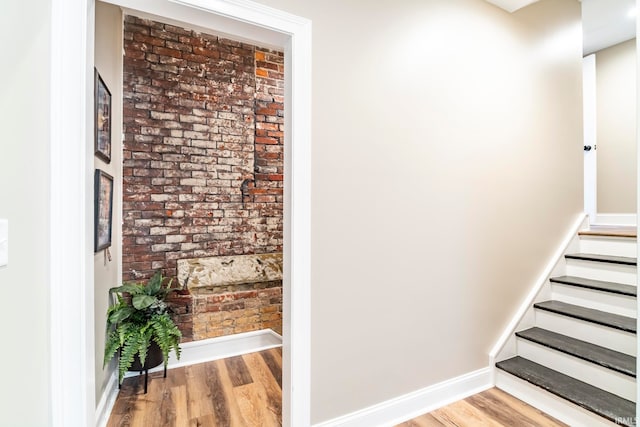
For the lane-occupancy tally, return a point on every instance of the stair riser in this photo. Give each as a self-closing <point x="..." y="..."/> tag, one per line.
<point x="601" y="377"/>
<point x="624" y="342"/>
<point x="612" y="303"/>
<point x="608" y="246"/>
<point x="625" y="274"/>
<point x="557" y="407"/>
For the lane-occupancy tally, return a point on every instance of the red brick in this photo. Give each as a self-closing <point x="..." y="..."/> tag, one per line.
<point x="199" y="119"/>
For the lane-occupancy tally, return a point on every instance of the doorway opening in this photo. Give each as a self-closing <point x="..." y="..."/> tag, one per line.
<point x="609" y="69"/>
<point x="73" y="397"/>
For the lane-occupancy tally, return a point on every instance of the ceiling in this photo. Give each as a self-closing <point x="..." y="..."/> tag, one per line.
<point x="606" y="23"/>
<point x="512" y="5"/>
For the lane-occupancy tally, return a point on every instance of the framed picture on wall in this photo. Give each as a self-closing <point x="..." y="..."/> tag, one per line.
<point x="102" y="119"/>
<point x="103" y="210"/>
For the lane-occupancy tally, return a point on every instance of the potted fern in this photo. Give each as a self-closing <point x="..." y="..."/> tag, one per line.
<point x="140" y="326"/>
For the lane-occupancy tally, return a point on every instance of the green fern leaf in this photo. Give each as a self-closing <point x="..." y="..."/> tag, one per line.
<point x="127" y="353"/>
<point x="111" y="346"/>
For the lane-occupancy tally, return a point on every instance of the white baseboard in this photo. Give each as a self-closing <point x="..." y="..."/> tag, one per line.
<point x="615" y="219"/>
<point x="411" y="405"/>
<point x="108" y="399"/>
<point x="218" y="348"/>
<point x="192" y="353"/>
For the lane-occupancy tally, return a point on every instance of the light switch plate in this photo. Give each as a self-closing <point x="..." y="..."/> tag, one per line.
<point x="4" y="242"/>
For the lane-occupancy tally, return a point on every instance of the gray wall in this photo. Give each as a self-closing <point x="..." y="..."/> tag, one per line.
<point x="24" y="178"/>
<point x="447" y="166"/>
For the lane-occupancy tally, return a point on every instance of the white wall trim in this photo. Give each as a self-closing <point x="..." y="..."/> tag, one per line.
<point x="411" y="405"/>
<point x="637" y="192"/>
<point x="220" y="347"/>
<point x="70" y="252"/>
<point x="615" y="219"/>
<point x="192" y="353"/>
<point x="590" y="162"/>
<point x="107" y="401"/>
<point x="72" y="317"/>
<point x="535" y="289"/>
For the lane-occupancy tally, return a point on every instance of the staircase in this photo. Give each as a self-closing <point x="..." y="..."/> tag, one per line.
<point x="575" y="350"/>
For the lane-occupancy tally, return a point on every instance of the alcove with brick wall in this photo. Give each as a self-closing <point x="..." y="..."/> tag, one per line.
<point x="202" y="161"/>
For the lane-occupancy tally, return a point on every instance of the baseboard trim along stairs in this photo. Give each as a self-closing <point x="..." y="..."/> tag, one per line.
<point x="572" y="351"/>
<point x="411" y="405"/>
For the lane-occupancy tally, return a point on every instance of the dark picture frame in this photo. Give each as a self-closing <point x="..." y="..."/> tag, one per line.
<point x="102" y="119"/>
<point x="103" y="217"/>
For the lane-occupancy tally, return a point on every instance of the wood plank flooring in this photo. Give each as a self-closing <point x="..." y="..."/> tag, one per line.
<point x="242" y="391"/>
<point x="491" y="408"/>
<point x="246" y="391"/>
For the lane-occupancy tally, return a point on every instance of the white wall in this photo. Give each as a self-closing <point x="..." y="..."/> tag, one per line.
<point x="616" y="123"/>
<point x="108" y="62"/>
<point x="447" y="165"/>
<point x="24" y="171"/>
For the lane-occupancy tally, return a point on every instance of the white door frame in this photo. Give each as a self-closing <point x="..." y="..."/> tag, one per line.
<point x="637" y="191"/>
<point x="71" y="191"/>
<point x="589" y="107"/>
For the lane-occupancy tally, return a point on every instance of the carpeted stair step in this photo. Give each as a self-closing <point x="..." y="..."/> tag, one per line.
<point x="614" y="360"/>
<point x="597" y="285"/>
<point x="604" y="318"/>
<point x="607" y="405"/>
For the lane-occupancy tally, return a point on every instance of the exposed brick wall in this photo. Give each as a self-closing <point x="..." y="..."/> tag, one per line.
<point x="181" y="306"/>
<point x="239" y="308"/>
<point x="203" y="150"/>
<point x="269" y="148"/>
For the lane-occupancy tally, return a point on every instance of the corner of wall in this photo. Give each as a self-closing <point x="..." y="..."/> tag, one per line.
<point x="108" y="265"/>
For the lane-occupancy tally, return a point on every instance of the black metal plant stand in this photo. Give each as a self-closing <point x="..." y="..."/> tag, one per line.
<point x="146" y="377"/>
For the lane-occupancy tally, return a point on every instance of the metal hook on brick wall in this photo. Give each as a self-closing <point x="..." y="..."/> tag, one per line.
<point x="244" y="189"/>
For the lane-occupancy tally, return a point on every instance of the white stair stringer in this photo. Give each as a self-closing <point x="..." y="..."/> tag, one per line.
<point x="596" y="375"/>
<point x="624" y="305"/>
<point x="604" y="336"/>
<point x="557" y="407"/>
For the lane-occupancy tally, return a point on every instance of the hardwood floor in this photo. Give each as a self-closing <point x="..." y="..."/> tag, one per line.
<point x="246" y="391"/>
<point x="492" y="407"/>
<point x="235" y="392"/>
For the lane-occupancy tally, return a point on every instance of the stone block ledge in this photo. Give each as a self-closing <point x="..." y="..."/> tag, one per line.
<point x="200" y="275"/>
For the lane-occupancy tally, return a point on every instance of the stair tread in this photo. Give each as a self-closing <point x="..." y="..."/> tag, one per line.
<point x="610" y="231"/>
<point x="596" y="354"/>
<point x="604" y="318"/>
<point x="600" y="285"/>
<point x="613" y="259"/>
<point x="598" y="401"/>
